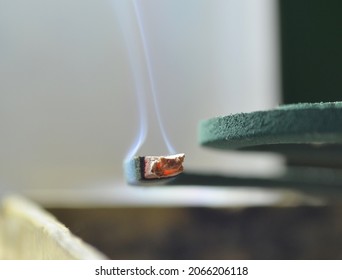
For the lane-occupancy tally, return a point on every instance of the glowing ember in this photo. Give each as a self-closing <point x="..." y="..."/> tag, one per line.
<point x="157" y="167"/>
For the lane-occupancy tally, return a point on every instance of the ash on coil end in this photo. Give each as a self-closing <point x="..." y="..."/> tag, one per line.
<point x="146" y="170"/>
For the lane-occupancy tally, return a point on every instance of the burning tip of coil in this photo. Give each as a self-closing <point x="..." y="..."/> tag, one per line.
<point x="157" y="167"/>
<point x="153" y="169"/>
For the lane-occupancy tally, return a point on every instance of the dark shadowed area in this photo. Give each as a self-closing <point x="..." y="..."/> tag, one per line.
<point x="203" y="233"/>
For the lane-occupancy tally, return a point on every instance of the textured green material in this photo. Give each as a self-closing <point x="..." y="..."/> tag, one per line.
<point x="281" y="129"/>
<point x="132" y="169"/>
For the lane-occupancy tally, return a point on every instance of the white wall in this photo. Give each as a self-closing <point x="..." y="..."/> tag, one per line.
<point x="67" y="103"/>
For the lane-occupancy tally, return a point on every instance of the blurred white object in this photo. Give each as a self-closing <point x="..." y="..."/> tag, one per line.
<point x="67" y="100"/>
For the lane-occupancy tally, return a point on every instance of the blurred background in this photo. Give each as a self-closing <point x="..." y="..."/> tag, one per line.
<point x="68" y="105"/>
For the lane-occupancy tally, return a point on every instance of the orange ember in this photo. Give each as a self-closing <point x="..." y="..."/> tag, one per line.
<point x="163" y="166"/>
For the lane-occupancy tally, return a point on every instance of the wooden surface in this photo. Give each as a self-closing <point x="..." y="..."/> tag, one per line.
<point x="29" y="232"/>
<point x="303" y="232"/>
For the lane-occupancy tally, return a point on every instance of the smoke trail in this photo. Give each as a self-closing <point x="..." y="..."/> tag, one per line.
<point x="133" y="30"/>
<point x="151" y="77"/>
<point x="128" y="26"/>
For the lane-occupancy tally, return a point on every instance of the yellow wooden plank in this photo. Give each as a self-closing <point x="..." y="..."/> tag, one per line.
<point x="30" y="232"/>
